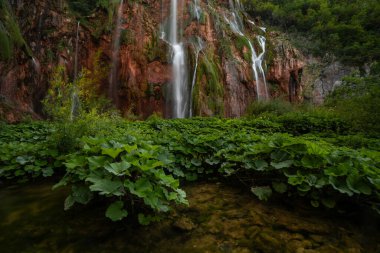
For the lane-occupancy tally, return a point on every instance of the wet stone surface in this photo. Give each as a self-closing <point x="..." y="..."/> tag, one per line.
<point x="219" y="219"/>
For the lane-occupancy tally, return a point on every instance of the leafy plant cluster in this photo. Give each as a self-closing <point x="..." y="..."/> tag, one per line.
<point x="347" y="28"/>
<point x="96" y="15"/>
<point x="86" y="7"/>
<point x="10" y="34"/>
<point x="357" y="100"/>
<point x="127" y="171"/>
<point x="139" y="165"/>
<point x="60" y="100"/>
<point x="25" y="151"/>
<point x="279" y="162"/>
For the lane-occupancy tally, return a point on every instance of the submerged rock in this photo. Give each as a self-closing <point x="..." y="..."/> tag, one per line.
<point x="220" y="219"/>
<point x="184" y="224"/>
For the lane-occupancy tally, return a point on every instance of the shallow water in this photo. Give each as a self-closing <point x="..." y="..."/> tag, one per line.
<point x="219" y="219"/>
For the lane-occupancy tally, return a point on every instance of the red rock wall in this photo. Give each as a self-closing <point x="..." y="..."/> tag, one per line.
<point x="144" y="71"/>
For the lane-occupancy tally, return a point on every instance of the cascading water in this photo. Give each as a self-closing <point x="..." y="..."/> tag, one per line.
<point x="197" y="9"/>
<point x="76" y="53"/>
<point x="75" y="99"/>
<point x="113" y="78"/>
<point x="180" y="95"/>
<point x="259" y="64"/>
<point x="36" y="65"/>
<point x="198" y="46"/>
<point x="236" y="26"/>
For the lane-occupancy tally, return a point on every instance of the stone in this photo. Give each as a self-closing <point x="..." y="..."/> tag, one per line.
<point x="184" y="224"/>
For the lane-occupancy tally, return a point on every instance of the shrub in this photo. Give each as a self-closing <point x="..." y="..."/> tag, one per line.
<point x="357" y="100"/>
<point x="275" y="107"/>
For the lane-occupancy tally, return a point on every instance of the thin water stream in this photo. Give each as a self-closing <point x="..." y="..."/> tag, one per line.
<point x="75" y="104"/>
<point x="198" y="47"/>
<point x="115" y="57"/>
<point x="220" y="219"/>
<point x="236" y="25"/>
<point x="180" y="94"/>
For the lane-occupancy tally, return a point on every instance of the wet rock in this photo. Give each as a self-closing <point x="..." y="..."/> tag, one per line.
<point x="329" y="78"/>
<point x="286" y="69"/>
<point x="184" y="224"/>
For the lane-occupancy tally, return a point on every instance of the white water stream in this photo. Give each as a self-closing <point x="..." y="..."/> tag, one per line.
<point x="236" y="26"/>
<point x="180" y="95"/>
<point x="113" y="78"/>
<point x="198" y="46"/>
<point x="75" y="99"/>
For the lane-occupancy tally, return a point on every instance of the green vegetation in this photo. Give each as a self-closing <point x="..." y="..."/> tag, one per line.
<point x="58" y="101"/>
<point x="328" y="156"/>
<point x="139" y="165"/>
<point x="10" y="34"/>
<point x="348" y="29"/>
<point x="358" y="99"/>
<point x="208" y="86"/>
<point x="102" y="22"/>
<point x="86" y="7"/>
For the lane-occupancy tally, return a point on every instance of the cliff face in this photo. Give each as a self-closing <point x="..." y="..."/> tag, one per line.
<point x="224" y="80"/>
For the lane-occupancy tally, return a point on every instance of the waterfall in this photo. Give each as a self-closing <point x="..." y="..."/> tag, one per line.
<point x="179" y="85"/>
<point x="198" y="46"/>
<point x="76" y="53"/>
<point x="113" y="77"/>
<point x="75" y="103"/>
<point x="236" y="26"/>
<point x="36" y="65"/>
<point x="197" y="10"/>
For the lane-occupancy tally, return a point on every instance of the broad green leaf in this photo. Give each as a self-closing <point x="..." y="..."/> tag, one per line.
<point x="24" y="159"/>
<point x="95" y="162"/>
<point x="75" y="161"/>
<point x="19" y="173"/>
<point x="321" y="182"/>
<point x="295" y="180"/>
<point x="314" y="203"/>
<point x="279" y="187"/>
<point x="165" y="158"/>
<point x="149" y="164"/>
<point x="191" y="176"/>
<point x="182" y="197"/>
<point x="328" y="202"/>
<point x="144" y="220"/>
<point x="118" y="169"/>
<point x="263" y="192"/>
<point x="261" y="165"/>
<point x="129" y="148"/>
<point x="112" y="152"/>
<point x="47" y="172"/>
<point x="304" y="187"/>
<point x="62" y="182"/>
<point x="196" y="162"/>
<point x="357" y="184"/>
<point x="311" y="161"/>
<point x="340" y="185"/>
<point x="279" y="155"/>
<point x="69" y="202"/>
<point x="116" y="211"/>
<point x="81" y="194"/>
<point x="297" y="148"/>
<point x="212" y="161"/>
<point x="337" y="171"/>
<point x="143" y="187"/>
<point x="146" y="154"/>
<point x="375" y="182"/>
<point x="105" y="186"/>
<point x="281" y="165"/>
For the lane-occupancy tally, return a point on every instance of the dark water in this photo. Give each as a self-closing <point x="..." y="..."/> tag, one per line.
<point x="219" y="219"/>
